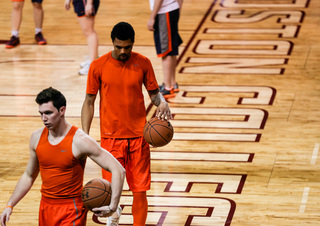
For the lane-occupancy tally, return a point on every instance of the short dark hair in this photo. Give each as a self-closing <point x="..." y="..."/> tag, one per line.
<point x="51" y="94"/>
<point x="122" y="31"/>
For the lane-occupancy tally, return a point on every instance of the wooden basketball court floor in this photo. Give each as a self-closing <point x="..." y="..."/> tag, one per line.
<point x="246" y="143"/>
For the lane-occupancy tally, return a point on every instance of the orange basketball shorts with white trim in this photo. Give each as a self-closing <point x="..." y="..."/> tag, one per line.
<point x="134" y="155"/>
<point x="62" y="212"/>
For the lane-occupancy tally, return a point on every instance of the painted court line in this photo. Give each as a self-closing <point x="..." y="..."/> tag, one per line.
<point x="189" y="156"/>
<point x="315" y="154"/>
<point x="304" y="199"/>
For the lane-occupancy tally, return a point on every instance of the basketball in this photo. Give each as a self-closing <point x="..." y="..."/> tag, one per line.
<point x="96" y="193"/>
<point x="158" y="132"/>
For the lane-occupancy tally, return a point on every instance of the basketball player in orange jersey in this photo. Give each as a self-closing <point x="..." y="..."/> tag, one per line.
<point x="58" y="151"/>
<point x="119" y="76"/>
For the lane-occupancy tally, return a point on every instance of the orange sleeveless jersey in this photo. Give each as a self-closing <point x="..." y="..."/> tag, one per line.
<point x="61" y="172"/>
<point x="122" y="108"/>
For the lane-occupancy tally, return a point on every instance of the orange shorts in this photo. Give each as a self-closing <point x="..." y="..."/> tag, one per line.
<point x="134" y="155"/>
<point x="62" y="212"/>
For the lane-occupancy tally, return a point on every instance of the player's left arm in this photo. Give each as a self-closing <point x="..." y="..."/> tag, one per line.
<point x="84" y="145"/>
<point x="163" y="110"/>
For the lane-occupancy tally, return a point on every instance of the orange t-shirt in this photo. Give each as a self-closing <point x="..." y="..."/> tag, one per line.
<point x="61" y="172"/>
<point x="122" y="108"/>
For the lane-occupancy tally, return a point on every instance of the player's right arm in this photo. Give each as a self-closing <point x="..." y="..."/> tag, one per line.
<point x="87" y="112"/>
<point x="26" y="180"/>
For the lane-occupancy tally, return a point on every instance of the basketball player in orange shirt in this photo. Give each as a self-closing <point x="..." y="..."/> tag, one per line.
<point x="119" y="76"/>
<point x="58" y="151"/>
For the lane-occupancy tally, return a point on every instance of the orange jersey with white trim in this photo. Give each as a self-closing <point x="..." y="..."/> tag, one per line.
<point x="122" y="108"/>
<point x="61" y="172"/>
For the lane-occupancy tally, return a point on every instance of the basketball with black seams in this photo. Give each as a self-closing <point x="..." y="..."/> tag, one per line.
<point x="158" y="132"/>
<point x="96" y="193"/>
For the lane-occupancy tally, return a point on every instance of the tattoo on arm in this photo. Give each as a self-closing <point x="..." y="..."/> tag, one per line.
<point x="156" y="98"/>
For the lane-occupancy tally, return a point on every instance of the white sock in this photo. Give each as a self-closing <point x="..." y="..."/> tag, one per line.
<point x="15" y="33"/>
<point x="38" y="30"/>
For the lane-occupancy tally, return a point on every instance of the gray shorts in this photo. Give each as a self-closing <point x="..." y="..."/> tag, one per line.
<point x="166" y="36"/>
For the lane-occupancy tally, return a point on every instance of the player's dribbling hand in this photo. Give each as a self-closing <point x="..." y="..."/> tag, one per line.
<point x="163" y="111"/>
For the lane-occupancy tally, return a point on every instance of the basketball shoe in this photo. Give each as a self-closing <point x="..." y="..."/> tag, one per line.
<point x="13" y="42"/>
<point x="166" y="93"/>
<point x="114" y="221"/>
<point x="40" y="39"/>
<point x="85" y="63"/>
<point x="84" y="70"/>
<point x="175" y="87"/>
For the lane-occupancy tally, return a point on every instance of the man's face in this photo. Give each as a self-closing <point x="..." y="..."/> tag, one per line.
<point x="50" y="115"/>
<point x="122" y="49"/>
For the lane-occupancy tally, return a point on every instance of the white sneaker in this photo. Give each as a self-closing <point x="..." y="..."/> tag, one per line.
<point x="85" y="63"/>
<point x="114" y="221"/>
<point x="84" y="70"/>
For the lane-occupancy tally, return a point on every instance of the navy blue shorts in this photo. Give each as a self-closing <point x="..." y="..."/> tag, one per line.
<point x="79" y="7"/>
<point x="166" y="36"/>
<point x="38" y="1"/>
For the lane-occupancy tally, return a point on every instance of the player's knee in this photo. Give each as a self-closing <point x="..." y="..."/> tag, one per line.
<point x="87" y="31"/>
<point x="17" y="6"/>
<point x="37" y="5"/>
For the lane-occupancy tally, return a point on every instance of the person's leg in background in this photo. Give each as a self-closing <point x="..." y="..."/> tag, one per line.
<point x="16" y="18"/>
<point x="169" y="64"/>
<point x="87" y="26"/>
<point x="38" y="15"/>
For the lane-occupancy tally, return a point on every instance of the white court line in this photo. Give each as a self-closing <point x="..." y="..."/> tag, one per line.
<point x="315" y="154"/>
<point x="188" y="156"/>
<point x="304" y="199"/>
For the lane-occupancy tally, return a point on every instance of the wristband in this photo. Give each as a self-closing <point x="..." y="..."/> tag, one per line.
<point x="9" y="207"/>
